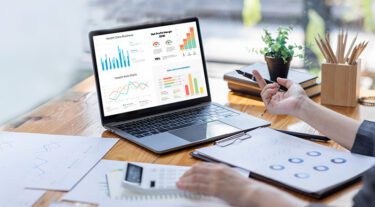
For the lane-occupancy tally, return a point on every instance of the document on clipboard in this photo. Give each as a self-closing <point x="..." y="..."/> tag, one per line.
<point x="291" y="162"/>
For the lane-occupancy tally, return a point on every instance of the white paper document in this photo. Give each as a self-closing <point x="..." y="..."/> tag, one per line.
<point x="93" y="187"/>
<point x="13" y="168"/>
<point x="292" y="161"/>
<point x="118" y="193"/>
<point x="57" y="162"/>
<point x="99" y="192"/>
<point x="29" y="197"/>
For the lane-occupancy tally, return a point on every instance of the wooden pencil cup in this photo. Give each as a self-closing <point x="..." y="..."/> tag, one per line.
<point x="340" y="84"/>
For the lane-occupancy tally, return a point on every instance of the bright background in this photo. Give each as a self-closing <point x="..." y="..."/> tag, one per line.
<point x="44" y="45"/>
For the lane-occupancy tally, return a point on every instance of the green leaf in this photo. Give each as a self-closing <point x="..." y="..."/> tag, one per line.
<point x="277" y="47"/>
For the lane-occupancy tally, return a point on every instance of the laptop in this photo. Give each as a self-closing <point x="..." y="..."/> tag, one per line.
<point x="153" y="87"/>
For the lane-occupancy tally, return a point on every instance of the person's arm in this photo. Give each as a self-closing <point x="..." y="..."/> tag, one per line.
<point x="223" y="182"/>
<point x="365" y="139"/>
<point x="295" y="102"/>
<point x="336" y="126"/>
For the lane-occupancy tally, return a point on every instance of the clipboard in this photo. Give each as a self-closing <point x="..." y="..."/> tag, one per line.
<point x="259" y="176"/>
<point x="317" y="195"/>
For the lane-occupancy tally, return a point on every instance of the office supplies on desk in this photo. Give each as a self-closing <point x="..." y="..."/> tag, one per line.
<point x="169" y="193"/>
<point x="232" y="139"/>
<point x="294" y="163"/>
<point x="247" y="85"/>
<point x="58" y="162"/>
<point x="251" y="77"/>
<point x="341" y="71"/>
<point x="312" y="137"/>
<point x="367" y="101"/>
<point x="109" y="190"/>
<point x="151" y="179"/>
<point x="166" y="108"/>
<point x="342" y="55"/>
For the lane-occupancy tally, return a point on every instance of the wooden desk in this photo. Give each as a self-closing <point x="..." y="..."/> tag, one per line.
<point x="76" y="113"/>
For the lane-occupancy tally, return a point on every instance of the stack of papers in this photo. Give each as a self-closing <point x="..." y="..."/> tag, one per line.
<point x="45" y="162"/>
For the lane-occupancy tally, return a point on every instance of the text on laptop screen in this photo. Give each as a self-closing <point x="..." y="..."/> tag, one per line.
<point x="150" y="67"/>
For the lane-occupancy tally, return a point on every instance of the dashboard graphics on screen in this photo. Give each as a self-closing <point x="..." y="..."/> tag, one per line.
<point x="149" y="67"/>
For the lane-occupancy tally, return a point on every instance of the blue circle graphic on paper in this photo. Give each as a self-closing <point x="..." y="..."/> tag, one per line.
<point x="295" y="160"/>
<point x="313" y="153"/>
<point x="277" y="167"/>
<point x="321" y="168"/>
<point x="301" y="175"/>
<point x="338" y="160"/>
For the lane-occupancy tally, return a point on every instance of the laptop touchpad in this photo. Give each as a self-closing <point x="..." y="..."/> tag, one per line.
<point x="204" y="131"/>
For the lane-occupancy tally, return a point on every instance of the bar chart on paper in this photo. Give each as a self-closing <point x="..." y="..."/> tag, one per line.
<point x="120" y="59"/>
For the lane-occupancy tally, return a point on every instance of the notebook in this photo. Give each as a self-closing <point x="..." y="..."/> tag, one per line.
<point x="304" y="79"/>
<point x="294" y="163"/>
<point x="118" y="192"/>
<point x="311" y="91"/>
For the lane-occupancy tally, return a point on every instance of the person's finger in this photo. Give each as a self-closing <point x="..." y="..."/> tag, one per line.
<point x="196" y="178"/>
<point x="285" y="82"/>
<point x="195" y="187"/>
<point x="268" y="86"/>
<point x="277" y="97"/>
<point x="268" y="93"/>
<point x="198" y="168"/>
<point x="261" y="82"/>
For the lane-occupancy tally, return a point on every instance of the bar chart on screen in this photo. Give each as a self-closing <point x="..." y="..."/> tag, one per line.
<point x="189" y="43"/>
<point x="192" y="87"/>
<point x="151" y="67"/>
<point x="174" y="87"/>
<point x="118" y="60"/>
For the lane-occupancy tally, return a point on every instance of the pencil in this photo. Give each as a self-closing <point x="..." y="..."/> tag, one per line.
<point x="351" y="47"/>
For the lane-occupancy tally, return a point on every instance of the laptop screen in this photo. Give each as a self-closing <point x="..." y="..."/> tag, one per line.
<point x="149" y="67"/>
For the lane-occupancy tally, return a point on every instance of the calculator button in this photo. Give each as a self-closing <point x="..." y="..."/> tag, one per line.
<point x="152" y="184"/>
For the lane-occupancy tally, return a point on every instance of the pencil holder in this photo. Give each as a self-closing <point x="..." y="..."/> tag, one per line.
<point x="340" y="84"/>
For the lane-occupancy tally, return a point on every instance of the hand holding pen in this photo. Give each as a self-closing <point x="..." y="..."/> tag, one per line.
<point x="251" y="77"/>
<point x="280" y="102"/>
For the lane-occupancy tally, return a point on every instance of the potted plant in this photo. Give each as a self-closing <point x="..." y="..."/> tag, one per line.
<point x="277" y="53"/>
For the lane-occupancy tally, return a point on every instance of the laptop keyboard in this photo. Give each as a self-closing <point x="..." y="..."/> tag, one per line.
<point x="175" y="120"/>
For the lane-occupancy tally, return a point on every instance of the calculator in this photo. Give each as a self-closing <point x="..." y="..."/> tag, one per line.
<point x="152" y="178"/>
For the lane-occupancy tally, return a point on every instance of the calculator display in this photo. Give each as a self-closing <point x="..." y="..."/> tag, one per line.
<point x="133" y="173"/>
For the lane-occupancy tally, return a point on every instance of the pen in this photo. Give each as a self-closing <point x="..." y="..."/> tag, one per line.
<point x="312" y="137"/>
<point x="251" y="77"/>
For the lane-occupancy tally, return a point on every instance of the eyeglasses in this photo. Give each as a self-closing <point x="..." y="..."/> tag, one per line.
<point x="232" y="139"/>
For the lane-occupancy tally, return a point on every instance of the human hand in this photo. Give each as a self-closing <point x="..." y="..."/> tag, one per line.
<point x="217" y="180"/>
<point x="277" y="102"/>
<point x="225" y="183"/>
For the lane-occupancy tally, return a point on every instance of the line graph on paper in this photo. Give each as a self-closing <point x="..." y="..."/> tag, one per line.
<point x="50" y="147"/>
<point x="41" y="161"/>
<point x="53" y="162"/>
